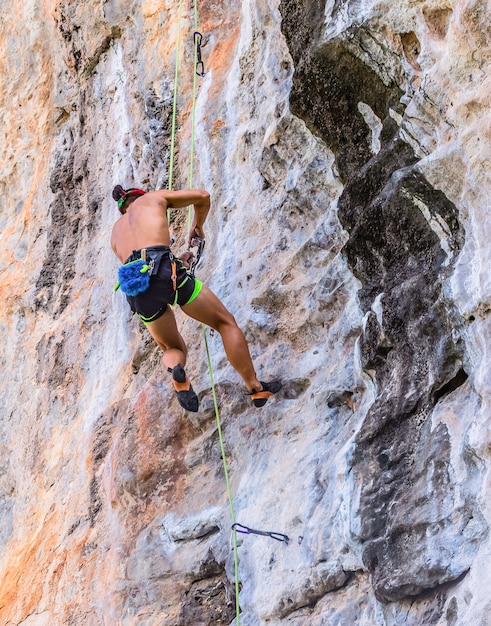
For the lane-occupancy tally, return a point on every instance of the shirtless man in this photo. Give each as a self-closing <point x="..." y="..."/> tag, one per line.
<point x="142" y="231"/>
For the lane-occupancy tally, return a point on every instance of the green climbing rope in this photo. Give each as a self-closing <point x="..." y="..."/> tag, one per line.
<point x="193" y="109"/>
<point x="174" y="102"/>
<point x="210" y="368"/>
<point x="227" y="480"/>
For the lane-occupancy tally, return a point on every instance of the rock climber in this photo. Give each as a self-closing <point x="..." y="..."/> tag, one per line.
<point x="152" y="278"/>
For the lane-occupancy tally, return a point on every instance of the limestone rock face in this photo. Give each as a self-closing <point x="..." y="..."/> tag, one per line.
<point x="346" y="147"/>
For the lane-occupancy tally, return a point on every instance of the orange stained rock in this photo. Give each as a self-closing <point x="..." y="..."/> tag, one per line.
<point x="27" y="579"/>
<point x="221" y="59"/>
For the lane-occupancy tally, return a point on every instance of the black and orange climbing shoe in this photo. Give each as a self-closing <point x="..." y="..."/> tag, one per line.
<point x="259" y="398"/>
<point x="186" y="396"/>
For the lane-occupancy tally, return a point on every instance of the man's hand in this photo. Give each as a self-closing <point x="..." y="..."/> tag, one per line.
<point x="187" y="258"/>
<point x="195" y="232"/>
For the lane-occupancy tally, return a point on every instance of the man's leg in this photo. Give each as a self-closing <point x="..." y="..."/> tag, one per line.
<point x="164" y="331"/>
<point x="209" y="310"/>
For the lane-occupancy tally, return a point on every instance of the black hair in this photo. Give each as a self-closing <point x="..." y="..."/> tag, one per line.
<point x="123" y="195"/>
<point x="118" y="192"/>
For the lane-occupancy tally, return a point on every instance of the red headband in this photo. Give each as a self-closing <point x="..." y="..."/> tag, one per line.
<point x="125" y="194"/>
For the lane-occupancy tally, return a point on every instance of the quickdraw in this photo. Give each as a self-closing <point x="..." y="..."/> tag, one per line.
<point x="200" y="66"/>
<point x="245" y="530"/>
<point x="197" y="256"/>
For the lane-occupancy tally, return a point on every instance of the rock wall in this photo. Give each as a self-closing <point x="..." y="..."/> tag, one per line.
<point x="346" y="149"/>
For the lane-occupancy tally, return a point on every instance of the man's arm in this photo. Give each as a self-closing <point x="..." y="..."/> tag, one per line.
<point x="199" y="198"/>
<point x="201" y="208"/>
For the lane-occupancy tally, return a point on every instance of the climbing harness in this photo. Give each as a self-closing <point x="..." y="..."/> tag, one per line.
<point x="134" y="275"/>
<point x="245" y="530"/>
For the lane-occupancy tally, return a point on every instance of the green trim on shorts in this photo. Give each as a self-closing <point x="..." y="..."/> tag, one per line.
<point x="198" y="286"/>
<point x="148" y="320"/>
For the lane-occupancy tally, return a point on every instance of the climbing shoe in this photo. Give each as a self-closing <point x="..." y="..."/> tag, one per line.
<point x="186" y="396"/>
<point x="259" y="398"/>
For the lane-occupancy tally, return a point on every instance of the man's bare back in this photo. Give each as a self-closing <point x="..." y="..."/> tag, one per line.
<point x="144" y="223"/>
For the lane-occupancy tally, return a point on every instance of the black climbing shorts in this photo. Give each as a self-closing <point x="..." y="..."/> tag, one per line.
<point x="152" y="303"/>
